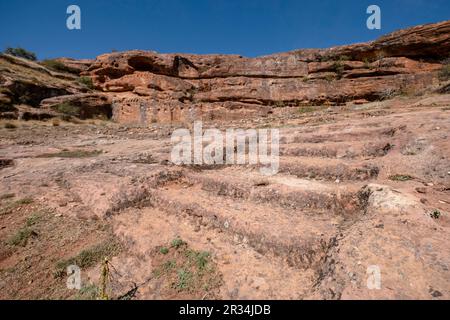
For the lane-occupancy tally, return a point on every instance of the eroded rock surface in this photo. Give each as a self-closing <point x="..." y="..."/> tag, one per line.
<point x="359" y="186"/>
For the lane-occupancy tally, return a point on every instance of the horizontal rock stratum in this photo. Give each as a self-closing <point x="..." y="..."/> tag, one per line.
<point x="143" y="87"/>
<point x="148" y="87"/>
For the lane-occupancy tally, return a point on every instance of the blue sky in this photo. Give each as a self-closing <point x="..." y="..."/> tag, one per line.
<point x="246" y="27"/>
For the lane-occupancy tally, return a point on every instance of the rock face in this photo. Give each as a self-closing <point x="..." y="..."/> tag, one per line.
<point x="77" y="66"/>
<point x="148" y="87"/>
<point x="143" y="87"/>
<point x="24" y="84"/>
<point x="82" y="105"/>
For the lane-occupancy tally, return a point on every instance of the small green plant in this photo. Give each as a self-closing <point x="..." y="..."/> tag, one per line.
<point x="86" y="81"/>
<point x="21" y="53"/>
<point x="436" y="214"/>
<point x="33" y="219"/>
<point x="89" y="257"/>
<point x="67" y="109"/>
<point x="199" y="258"/>
<point x="21" y="237"/>
<point x="177" y="243"/>
<point x="166" y="268"/>
<point x="169" y="265"/>
<point x="401" y="177"/>
<point x="339" y="69"/>
<point x="164" y="250"/>
<point x="90" y="292"/>
<point x="184" y="279"/>
<point x="187" y="270"/>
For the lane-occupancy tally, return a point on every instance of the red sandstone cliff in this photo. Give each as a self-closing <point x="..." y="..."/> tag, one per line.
<point x="145" y="87"/>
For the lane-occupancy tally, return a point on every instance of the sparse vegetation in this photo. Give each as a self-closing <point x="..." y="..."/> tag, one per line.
<point x="86" y="81"/>
<point x="339" y="68"/>
<point x="177" y="243"/>
<point x="164" y="250"/>
<point x="67" y="109"/>
<point x="187" y="270"/>
<point x="21" y="237"/>
<point x="89" y="292"/>
<point x="184" y="279"/>
<point x="401" y="177"/>
<point x="21" y="53"/>
<point x="89" y="257"/>
<point x="199" y="258"/>
<point x="7" y="209"/>
<point x="306" y="109"/>
<point x="436" y="214"/>
<point x="33" y="219"/>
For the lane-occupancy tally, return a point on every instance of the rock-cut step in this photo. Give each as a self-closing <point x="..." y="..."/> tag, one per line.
<point x="328" y="169"/>
<point x="246" y="273"/>
<point x="284" y="191"/>
<point x="376" y="148"/>
<point x="302" y="241"/>
<point x="338" y="136"/>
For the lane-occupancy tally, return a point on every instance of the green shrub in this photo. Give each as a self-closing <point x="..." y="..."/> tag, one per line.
<point x="164" y="250"/>
<point x="67" y="109"/>
<point x="21" y="237"/>
<point x="177" y="243"/>
<point x="339" y="68"/>
<point x="401" y="177"/>
<point x="89" y="257"/>
<point x="436" y="214"/>
<point x="86" y="81"/>
<point x="21" y="53"/>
